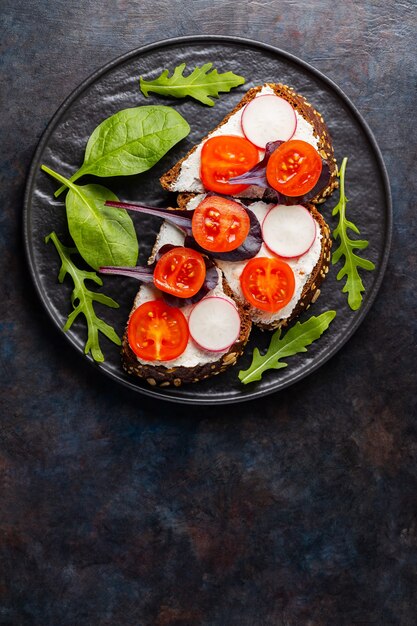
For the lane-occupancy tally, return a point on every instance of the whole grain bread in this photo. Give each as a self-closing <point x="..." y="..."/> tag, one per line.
<point x="311" y="290"/>
<point x="162" y="376"/>
<point x="305" y="109"/>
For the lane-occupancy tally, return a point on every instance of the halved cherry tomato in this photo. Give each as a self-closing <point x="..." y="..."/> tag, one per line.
<point x="157" y="332"/>
<point x="180" y="271"/>
<point x="294" y="168"/>
<point x="219" y="224"/>
<point x="224" y="157"/>
<point x="267" y="283"/>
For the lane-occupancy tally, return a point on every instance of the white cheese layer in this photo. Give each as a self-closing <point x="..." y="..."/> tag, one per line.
<point x="301" y="266"/>
<point x="167" y="234"/>
<point x="193" y="355"/>
<point x="189" y="175"/>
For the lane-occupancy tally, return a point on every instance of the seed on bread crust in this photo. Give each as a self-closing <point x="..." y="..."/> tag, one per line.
<point x="316" y="295"/>
<point x="230" y="358"/>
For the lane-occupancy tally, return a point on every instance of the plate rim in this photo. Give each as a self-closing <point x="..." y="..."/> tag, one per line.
<point x="160" y="393"/>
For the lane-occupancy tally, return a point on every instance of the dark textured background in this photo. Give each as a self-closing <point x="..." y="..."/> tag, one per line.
<point x="299" y="509"/>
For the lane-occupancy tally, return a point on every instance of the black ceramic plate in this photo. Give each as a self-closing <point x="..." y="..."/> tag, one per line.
<point x="115" y="87"/>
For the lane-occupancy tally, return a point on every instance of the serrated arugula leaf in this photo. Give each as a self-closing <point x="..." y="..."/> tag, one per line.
<point x="200" y="84"/>
<point x="82" y="300"/>
<point x="353" y="286"/>
<point x="295" y="340"/>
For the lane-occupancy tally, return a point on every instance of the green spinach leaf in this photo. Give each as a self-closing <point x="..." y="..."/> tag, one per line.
<point x="82" y="300"/>
<point x="103" y="235"/>
<point x="131" y="141"/>
<point x="353" y="286"/>
<point x="200" y="84"/>
<point x="295" y="340"/>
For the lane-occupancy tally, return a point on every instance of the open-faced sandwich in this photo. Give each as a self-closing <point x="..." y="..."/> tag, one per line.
<point x="266" y="114"/>
<point x="185" y="325"/>
<point x="246" y="245"/>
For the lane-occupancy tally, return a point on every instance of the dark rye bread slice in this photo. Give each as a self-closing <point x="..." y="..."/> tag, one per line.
<point x="305" y="109"/>
<point x="162" y="376"/>
<point x="311" y="290"/>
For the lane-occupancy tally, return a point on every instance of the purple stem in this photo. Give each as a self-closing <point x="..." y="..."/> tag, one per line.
<point x="144" y="274"/>
<point x="180" y="219"/>
<point x="257" y="176"/>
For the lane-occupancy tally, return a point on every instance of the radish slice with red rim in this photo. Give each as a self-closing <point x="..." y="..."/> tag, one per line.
<point x="268" y="118"/>
<point x="289" y="231"/>
<point x="214" y="324"/>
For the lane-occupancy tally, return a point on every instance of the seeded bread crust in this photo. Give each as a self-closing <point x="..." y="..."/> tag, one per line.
<point x="161" y="376"/>
<point x="305" y="109"/>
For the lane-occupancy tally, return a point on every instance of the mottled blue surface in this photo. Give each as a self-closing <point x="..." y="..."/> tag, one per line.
<point x="299" y="509"/>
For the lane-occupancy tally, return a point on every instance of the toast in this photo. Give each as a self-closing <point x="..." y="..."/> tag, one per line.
<point x="184" y="177"/>
<point x="176" y="373"/>
<point x="202" y="364"/>
<point x="310" y="270"/>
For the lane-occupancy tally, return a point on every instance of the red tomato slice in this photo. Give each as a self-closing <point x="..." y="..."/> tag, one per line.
<point x="180" y="271"/>
<point x="157" y="332"/>
<point x="267" y="283"/>
<point x="294" y="168"/>
<point x="219" y="224"/>
<point x="224" y="157"/>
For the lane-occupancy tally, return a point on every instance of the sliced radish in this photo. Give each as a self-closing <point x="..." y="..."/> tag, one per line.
<point x="289" y="231"/>
<point x="268" y="118"/>
<point x="214" y="324"/>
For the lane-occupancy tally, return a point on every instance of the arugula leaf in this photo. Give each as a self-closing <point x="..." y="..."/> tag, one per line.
<point x="82" y="300"/>
<point x="103" y="235"/>
<point x="200" y="84"/>
<point x="131" y="141"/>
<point x="353" y="286"/>
<point x="295" y="340"/>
